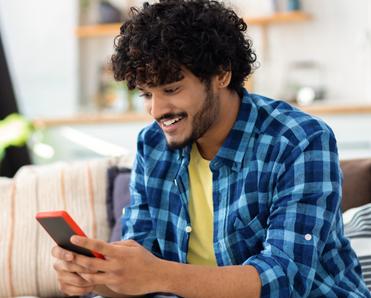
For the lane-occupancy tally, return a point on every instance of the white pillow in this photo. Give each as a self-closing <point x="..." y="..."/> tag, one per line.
<point x="357" y="227"/>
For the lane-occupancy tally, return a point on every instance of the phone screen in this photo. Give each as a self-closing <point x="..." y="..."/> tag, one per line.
<point x="61" y="227"/>
<point x="61" y="232"/>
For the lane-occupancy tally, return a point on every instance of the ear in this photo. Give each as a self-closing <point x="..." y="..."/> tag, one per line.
<point x="223" y="79"/>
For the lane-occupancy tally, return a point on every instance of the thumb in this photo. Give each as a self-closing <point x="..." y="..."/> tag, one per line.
<point x="127" y="243"/>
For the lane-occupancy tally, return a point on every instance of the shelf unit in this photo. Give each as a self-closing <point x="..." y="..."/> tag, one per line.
<point x="89" y="35"/>
<point x="89" y="31"/>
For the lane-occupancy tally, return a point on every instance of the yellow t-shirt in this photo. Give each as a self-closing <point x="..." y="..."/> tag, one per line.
<point x="200" y="246"/>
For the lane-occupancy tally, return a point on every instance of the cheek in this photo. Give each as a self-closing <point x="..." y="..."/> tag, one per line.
<point x="147" y="106"/>
<point x="193" y="107"/>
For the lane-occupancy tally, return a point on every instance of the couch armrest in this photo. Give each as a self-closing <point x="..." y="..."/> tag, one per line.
<point x="357" y="182"/>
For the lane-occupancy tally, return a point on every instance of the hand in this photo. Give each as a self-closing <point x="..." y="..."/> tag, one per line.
<point x="68" y="273"/>
<point x="128" y="267"/>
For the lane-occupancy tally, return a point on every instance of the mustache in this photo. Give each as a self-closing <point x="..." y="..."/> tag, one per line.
<point x="171" y="116"/>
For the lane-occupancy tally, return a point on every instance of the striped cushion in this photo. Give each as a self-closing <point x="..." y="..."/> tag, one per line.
<point x="358" y="230"/>
<point x="25" y="260"/>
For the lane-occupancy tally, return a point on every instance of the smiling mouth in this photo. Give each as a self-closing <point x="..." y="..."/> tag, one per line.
<point x="170" y="122"/>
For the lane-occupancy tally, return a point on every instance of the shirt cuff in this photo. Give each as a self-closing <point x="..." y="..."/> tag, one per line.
<point x="273" y="279"/>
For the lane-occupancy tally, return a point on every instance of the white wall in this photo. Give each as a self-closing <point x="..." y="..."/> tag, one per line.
<point x="42" y="56"/>
<point x="338" y="38"/>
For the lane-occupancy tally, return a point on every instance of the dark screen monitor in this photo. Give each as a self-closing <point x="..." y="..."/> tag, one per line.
<point x="8" y="103"/>
<point x="15" y="157"/>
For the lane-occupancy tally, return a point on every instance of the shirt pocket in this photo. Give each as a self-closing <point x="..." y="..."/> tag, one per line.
<point x="247" y="239"/>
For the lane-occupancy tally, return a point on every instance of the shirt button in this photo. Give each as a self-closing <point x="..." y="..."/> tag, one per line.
<point x="308" y="237"/>
<point x="188" y="229"/>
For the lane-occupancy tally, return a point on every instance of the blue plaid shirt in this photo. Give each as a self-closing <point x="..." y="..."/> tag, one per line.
<point x="276" y="192"/>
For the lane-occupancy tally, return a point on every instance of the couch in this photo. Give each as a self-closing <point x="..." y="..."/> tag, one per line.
<point x="94" y="192"/>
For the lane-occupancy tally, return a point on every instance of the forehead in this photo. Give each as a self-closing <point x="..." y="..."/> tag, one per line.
<point x="185" y="76"/>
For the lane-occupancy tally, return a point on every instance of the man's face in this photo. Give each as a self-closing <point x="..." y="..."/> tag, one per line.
<point x="184" y="110"/>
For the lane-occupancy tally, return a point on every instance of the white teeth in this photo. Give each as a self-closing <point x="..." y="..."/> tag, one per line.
<point x="170" y="122"/>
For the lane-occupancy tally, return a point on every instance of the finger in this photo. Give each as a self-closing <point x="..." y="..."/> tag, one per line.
<point x="100" y="246"/>
<point x="60" y="266"/>
<point x="128" y="243"/>
<point x="75" y="291"/>
<point x="93" y="265"/>
<point x="62" y="254"/>
<point x="73" y="279"/>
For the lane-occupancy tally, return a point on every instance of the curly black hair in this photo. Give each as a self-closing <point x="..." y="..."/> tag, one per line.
<point x="203" y="36"/>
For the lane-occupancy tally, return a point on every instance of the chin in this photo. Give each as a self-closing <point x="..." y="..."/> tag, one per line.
<point x="173" y="144"/>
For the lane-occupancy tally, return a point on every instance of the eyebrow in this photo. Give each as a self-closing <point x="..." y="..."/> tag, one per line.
<point x="160" y="86"/>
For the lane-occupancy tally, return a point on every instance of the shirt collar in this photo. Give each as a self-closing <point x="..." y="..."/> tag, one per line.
<point x="237" y="144"/>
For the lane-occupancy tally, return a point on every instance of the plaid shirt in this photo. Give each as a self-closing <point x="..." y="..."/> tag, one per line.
<point x="276" y="192"/>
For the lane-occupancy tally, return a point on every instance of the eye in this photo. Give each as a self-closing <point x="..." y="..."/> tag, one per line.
<point x="146" y="95"/>
<point x="171" y="90"/>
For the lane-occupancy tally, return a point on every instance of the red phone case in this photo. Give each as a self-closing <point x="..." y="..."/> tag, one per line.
<point x="49" y="215"/>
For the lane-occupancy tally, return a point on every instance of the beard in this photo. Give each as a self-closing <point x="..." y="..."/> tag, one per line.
<point x="202" y="121"/>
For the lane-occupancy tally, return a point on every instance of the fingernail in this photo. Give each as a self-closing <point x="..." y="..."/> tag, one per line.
<point x="75" y="240"/>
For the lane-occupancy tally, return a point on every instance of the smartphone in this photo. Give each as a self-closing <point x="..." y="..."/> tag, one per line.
<point x="61" y="227"/>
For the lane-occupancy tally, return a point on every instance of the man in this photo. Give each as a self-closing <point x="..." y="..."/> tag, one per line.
<point x="232" y="194"/>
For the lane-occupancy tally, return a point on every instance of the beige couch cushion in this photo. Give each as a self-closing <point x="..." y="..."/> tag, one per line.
<point x="25" y="260"/>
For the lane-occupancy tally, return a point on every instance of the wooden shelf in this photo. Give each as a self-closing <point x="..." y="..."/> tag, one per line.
<point x="113" y="29"/>
<point x="337" y="109"/>
<point x="87" y="119"/>
<point x="316" y="109"/>
<point x="104" y="30"/>
<point x="280" y="18"/>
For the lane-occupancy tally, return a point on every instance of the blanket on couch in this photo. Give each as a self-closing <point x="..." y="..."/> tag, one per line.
<point x="78" y="187"/>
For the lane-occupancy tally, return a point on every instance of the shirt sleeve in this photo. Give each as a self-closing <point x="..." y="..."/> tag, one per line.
<point x="136" y="221"/>
<point x="304" y="207"/>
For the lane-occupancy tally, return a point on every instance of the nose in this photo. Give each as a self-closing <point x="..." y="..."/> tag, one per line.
<point x="157" y="106"/>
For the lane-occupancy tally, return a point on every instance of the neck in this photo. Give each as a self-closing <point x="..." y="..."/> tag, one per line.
<point x="210" y="143"/>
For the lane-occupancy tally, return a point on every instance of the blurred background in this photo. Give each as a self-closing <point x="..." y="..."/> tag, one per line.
<point x="54" y="72"/>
